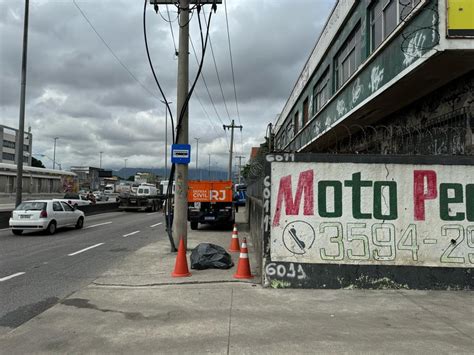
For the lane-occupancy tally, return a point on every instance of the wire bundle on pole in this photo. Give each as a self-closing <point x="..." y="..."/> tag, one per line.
<point x="185" y="105"/>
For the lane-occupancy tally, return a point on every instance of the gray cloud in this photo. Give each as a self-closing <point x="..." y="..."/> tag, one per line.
<point x="76" y="89"/>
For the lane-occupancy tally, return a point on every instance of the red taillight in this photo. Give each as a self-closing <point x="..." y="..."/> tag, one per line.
<point x="44" y="214"/>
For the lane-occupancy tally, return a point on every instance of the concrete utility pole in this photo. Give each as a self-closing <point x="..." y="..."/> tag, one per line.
<point x="180" y="219"/>
<point x="231" y="127"/>
<point x="240" y="157"/>
<point x="180" y="214"/>
<point x="21" y="127"/>
<point x="100" y="163"/>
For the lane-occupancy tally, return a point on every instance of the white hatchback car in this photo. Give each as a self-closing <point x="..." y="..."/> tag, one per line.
<point x="45" y="215"/>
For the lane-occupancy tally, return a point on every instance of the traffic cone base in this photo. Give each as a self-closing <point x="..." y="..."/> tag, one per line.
<point x="234" y="242"/>
<point x="243" y="267"/>
<point x="181" y="265"/>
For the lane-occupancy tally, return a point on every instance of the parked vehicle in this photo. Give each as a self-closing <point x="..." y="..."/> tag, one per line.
<point x="74" y="199"/>
<point x="109" y="189"/>
<point x="100" y="196"/>
<point x="145" y="198"/>
<point x="47" y="215"/>
<point x="210" y="202"/>
<point x="240" y="194"/>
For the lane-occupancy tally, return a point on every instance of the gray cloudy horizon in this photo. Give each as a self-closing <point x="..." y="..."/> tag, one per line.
<point x="77" y="91"/>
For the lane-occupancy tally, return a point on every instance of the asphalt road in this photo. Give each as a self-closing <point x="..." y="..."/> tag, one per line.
<point x="38" y="270"/>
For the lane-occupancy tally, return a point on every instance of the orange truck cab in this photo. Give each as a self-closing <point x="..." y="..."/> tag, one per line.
<point x="210" y="202"/>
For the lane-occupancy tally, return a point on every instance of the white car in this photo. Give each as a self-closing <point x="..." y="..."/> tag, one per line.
<point x="74" y="199"/>
<point x="45" y="215"/>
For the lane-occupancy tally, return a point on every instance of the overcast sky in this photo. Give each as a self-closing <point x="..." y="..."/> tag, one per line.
<point x="78" y="91"/>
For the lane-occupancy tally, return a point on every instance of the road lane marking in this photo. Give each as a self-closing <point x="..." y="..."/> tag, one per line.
<point x="83" y="250"/>
<point x="149" y="214"/>
<point x="129" y="234"/>
<point x="11" y="276"/>
<point x="97" y="225"/>
<point x="155" y="225"/>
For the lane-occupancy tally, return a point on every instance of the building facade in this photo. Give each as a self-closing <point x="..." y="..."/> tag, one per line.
<point x="386" y="77"/>
<point x="9" y="145"/>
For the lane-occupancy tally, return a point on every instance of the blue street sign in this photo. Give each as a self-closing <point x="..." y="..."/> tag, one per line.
<point x="180" y="153"/>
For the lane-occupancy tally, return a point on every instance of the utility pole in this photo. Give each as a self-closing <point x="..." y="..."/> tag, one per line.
<point x="166" y="135"/>
<point x="180" y="218"/>
<point x="125" y="160"/>
<point x="100" y="163"/>
<point x="240" y="157"/>
<point x="231" y="127"/>
<point x="21" y="128"/>
<point x="209" y="171"/>
<point x="197" y="152"/>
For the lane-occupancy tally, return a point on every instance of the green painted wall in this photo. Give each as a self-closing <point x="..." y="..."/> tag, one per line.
<point x="415" y="40"/>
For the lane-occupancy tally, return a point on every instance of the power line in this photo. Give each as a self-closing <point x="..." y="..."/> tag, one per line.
<point x="206" y="113"/>
<point x="217" y="71"/>
<point x="172" y="32"/>
<point x="231" y="60"/>
<point x="233" y="74"/>
<point x="111" y="51"/>
<point x="205" y="84"/>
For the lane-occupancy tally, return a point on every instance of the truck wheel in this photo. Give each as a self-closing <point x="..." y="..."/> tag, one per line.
<point x="194" y="225"/>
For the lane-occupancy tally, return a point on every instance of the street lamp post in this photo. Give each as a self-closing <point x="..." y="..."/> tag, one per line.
<point x="209" y="171"/>
<point x="54" y="153"/>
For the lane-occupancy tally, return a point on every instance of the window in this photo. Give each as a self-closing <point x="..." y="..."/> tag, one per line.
<point x="8" y="156"/>
<point x="66" y="207"/>
<point x="57" y="207"/>
<point x="348" y="59"/>
<point x="296" y="123"/>
<point x="385" y="15"/>
<point x="321" y="92"/>
<point x="8" y="144"/>
<point x="305" y="112"/>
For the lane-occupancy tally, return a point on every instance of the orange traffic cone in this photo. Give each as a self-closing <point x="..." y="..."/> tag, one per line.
<point x="181" y="265"/>
<point x="234" y="242"/>
<point x="243" y="268"/>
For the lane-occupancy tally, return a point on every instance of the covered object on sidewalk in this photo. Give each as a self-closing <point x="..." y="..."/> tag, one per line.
<point x="207" y="255"/>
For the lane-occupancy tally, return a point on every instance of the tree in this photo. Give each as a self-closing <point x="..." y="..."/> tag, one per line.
<point x="37" y="163"/>
<point x="131" y="178"/>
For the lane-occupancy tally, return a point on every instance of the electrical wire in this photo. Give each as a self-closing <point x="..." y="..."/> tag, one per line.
<point x="111" y="50"/>
<point x="168" y="193"/>
<point x="172" y="32"/>
<point x="231" y="61"/>
<point x="153" y="69"/>
<point x="207" y="88"/>
<point x="217" y="71"/>
<point x="233" y="72"/>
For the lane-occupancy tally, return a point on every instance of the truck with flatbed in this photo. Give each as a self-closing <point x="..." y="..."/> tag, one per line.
<point x="145" y="198"/>
<point x="210" y="202"/>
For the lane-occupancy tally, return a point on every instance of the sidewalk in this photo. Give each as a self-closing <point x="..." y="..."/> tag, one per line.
<point x="138" y="308"/>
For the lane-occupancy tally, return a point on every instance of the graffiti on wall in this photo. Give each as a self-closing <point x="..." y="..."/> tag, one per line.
<point x="382" y="214"/>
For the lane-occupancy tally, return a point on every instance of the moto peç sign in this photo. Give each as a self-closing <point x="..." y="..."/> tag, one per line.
<point x="372" y="213"/>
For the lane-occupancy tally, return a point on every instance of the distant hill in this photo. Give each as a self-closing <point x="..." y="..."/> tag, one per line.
<point x="194" y="174"/>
